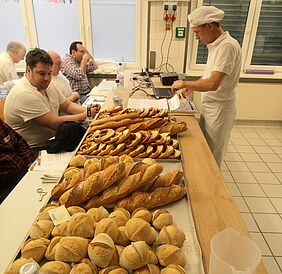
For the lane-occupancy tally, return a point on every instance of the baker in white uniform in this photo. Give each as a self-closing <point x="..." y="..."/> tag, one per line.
<point x="219" y="80"/>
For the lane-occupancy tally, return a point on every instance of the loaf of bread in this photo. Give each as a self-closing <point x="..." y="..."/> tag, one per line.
<point x="43" y="212"/>
<point x="169" y="254"/>
<point x="107" y="226"/>
<point x="91" y="166"/>
<point x="41" y="229"/>
<point x="77" y="161"/>
<point x="113" y="270"/>
<point x="101" y="250"/>
<point x="102" y="121"/>
<point x="35" y="249"/>
<point x="148" y="269"/>
<point x="51" y="249"/>
<point x="173" y="269"/>
<point x="137" y="229"/>
<point x="60" y="230"/>
<point x="75" y="209"/>
<point x="94" y="184"/>
<point x="172" y="235"/>
<point x="84" y="267"/>
<point x="135" y="256"/>
<point x="68" y="183"/>
<point x="142" y="213"/>
<point x="81" y="225"/>
<point x="55" y="267"/>
<point x="122" y="239"/>
<point x="167" y="179"/>
<point x="71" y="249"/>
<point x="161" y="218"/>
<point x="120" y="216"/>
<point x="98" y="213"/>
<point x="159" y="197"/>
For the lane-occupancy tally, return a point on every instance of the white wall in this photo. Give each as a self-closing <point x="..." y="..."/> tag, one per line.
<point x="255" y="101"/>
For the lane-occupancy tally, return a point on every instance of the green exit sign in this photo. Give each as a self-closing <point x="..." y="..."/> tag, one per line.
<point x="180" y="32"/>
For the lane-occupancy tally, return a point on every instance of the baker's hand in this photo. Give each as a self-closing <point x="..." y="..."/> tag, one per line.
<point x="179" y="84"/>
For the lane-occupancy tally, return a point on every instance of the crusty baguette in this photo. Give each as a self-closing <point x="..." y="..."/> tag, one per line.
<point x="115" y="124"/>
<point x="138" y="178"/>
<point x="93" y="185"/>
<point x="120" y="117"/>
<point x="68" y="183"/>
<point x="167" y="179"/>
<point x="159" y="197"/>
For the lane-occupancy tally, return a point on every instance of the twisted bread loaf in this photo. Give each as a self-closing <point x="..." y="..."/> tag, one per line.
<point x="159" y="197"/>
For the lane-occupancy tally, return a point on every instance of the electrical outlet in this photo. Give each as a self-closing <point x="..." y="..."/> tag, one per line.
<point x="180" y="32"/>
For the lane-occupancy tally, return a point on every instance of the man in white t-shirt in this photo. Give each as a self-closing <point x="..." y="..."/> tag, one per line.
<point x="33" y="104"/>
<point x="219" y="80"/>
<point x="14" y="54"/>
<point x="60" y="81"/>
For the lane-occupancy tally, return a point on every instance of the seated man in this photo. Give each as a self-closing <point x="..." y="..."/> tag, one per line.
<point x="15" y="158"/>
<point x="14" y="54"/>
<point x="60" y="81"/>
<point x="33" y="104"/>
<point x="76" y="66"/>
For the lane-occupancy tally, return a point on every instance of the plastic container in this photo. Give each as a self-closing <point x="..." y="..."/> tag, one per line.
<point x="117" y="94"/>
<point x="232" y="253"/>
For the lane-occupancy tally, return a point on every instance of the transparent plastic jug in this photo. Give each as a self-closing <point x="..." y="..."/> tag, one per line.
<point x="233" y="253"/>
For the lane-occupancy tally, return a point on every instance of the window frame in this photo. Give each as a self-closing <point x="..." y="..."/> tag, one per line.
<point x="248" y="44"/>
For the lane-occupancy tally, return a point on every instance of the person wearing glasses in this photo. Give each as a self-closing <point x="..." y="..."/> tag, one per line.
<point x="75" y="67"/>
<point x="220" y="78"/>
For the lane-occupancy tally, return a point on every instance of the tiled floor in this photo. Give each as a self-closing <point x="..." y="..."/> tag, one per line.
<point x="253" y="172"/>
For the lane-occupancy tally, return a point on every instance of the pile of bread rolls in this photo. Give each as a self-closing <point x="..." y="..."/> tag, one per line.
<point x="98" y="241"/>
<point x="118" y="180"/>
<point x="137" y="133"/>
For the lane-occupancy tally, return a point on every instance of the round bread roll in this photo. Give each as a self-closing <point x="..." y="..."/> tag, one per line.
<point x="152" y="257"/>
<point x="98" y="213"/>
<point x="35" y="248"/>
<point x="75" y="209"/>
<point x="71" y="249"/>
<point x="108" y="226"/>
<point x="84" y="267"/>
<point x="43" y="212"/>
<point x="60" y="230"/>
<point x="116" y="256"/>
<point x="161" y="218"/>
<point x="120" y="217"/>
<point x="55" y="267"/>
<point x="137" y="229"/>
<point x="173" y="269"/>
<point x="17" y="264"/>
<point x="142" y="213"/>
<point x="169" y="254"/>
<point x="122" y="239"/>
<point x="81" y="225"/>
<point x="113" y="270"/>
<point x="41" y="229"/>
<point x="135" y="255"/>
<point x="171" y="235"/>
<point x="101" y="250"/>
<point x="51" y="249"/>
<point x="148" y="269"/>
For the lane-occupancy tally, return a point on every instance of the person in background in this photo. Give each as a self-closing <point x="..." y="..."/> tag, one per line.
<point x="14" y="54"/>
<point x="219" y="80"/>
<point x="15" y="159"/>
<point x="75" y="67"/>
<point x="59" y="79"/>
<point x="33" y="104"/>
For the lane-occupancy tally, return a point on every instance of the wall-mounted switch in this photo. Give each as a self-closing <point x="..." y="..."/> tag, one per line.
<point x="180" y="32"/>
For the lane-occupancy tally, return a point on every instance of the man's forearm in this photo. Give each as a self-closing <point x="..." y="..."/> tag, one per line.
<point x="75" y="108"/>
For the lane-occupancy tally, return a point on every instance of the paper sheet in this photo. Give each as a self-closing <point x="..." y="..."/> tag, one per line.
<point x="147" y="103"/>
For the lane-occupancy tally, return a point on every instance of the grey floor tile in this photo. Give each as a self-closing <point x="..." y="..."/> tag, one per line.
<point x="237" y="166"/>
<point x="258" y="167"/>
<point x="271" y="265"/>
<point x="232" y="157"/>
<point x="275" y="167"/>
<point x="242" y="206"/>
<point x="251" y="157"/>
<point x="269" y="222"/>
<point x="270" y="158"/>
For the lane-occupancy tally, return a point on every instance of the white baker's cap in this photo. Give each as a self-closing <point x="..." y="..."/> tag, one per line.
<point x="204" y="15"/>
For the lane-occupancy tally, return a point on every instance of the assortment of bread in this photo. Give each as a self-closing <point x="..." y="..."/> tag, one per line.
<point x="132" y="245"/>
<point x="130" y="239"/>
<point x="137" y="133"/>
